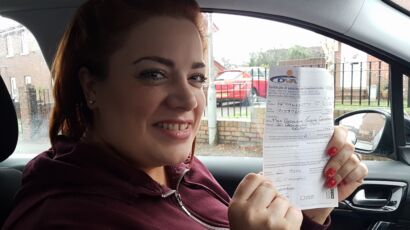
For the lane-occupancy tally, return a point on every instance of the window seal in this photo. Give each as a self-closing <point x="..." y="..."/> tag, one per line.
<point x="397" y="7"/>
<point x="402" y="150"/>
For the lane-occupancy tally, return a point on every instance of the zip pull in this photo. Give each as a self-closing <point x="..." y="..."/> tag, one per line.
<point x="207" y="226"/>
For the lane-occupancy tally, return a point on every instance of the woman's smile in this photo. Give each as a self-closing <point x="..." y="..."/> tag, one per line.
<point x="174" y="129"/>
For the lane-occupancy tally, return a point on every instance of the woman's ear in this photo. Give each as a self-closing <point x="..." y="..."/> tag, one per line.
<point x="88" y="85"/>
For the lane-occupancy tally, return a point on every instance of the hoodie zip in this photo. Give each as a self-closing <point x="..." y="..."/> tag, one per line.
<point x="184" y="208"/>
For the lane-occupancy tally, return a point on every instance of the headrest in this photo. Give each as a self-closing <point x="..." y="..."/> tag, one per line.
<point x="8" y="123"/>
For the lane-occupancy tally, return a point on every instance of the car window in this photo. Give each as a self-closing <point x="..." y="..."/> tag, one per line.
<point x="360" y="80"/>
<point x="28" y="80"/>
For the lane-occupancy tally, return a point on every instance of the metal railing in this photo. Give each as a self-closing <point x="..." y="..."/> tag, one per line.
<point x="362" y="83"/>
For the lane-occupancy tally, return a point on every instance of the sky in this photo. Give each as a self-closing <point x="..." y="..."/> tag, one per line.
<point x="238" y="36"/>
<point x="5" y="23"/>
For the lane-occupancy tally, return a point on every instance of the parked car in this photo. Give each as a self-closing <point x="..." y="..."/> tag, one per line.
<point x="236" y="85"/>
<point x="378" y="27"/>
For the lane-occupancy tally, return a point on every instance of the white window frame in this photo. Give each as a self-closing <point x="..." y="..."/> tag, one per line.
<point x="27" y="80"/>
<point x="24" y="43"/>
<point x="13" y="88"/>
<point x="9" y="46"/>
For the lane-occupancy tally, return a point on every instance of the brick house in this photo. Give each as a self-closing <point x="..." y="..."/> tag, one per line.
<point x="21" y="61"/>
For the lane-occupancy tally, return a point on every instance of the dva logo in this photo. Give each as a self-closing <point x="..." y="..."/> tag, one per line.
<point x="284" y="78"/>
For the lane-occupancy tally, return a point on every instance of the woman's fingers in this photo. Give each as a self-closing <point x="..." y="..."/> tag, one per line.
<point x="294" y="218"/>
<point x="338" y="161"/>
<point x="344" y="168"/>
<point x="351" y="164"/>
<point x="279" y="207"/>
<point x="247" y="186"/>
<point x="262" y="196"/>
<point x="256" y="204"/>
<point x="358" y="174"/>
<point x="284" y="215"/>
<point x="342" y="160"/>
<point x="337" y="142"/>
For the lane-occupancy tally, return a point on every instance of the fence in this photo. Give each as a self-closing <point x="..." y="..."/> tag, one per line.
<point x="33" y="109"/>
<point x="356" y="84"/>
<point x="362" y="83"/>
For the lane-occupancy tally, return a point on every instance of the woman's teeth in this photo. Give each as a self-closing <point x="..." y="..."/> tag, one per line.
<point x="171" y="126"/>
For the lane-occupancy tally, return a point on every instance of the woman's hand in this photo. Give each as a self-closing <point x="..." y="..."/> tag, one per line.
<point x="344" y="170"/>
<point x="257" y="205"/>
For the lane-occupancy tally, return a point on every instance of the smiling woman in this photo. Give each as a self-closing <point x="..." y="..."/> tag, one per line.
<point x="146" y="132"/>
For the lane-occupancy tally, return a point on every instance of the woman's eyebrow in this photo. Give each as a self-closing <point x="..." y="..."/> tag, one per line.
<point x="167" y="62"/>
<point x="198" y="65"/>
<point x="160" y="60"/>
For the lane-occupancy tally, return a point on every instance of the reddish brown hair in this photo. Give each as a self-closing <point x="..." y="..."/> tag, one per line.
<point x="97" y="29"/>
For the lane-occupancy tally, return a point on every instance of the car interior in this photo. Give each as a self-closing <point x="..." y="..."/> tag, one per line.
<point x="377" y="27"/>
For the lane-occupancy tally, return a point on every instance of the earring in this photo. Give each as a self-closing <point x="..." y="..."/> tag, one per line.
<point x="91" y="102"/>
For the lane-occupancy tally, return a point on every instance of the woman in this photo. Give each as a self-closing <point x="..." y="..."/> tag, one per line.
<point x="128" y="104"/>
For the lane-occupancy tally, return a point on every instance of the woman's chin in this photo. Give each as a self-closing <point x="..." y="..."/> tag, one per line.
<point x="176" y="158"/>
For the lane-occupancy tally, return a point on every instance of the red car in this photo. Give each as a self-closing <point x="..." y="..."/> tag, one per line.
<point x="236" y="85"/>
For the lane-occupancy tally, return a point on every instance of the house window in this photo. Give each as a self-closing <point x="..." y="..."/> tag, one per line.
<point x="14" y="93"/>
<point x="24" y="43"/>
<point x="27" y="80"/>
<point x="10" y="49"/>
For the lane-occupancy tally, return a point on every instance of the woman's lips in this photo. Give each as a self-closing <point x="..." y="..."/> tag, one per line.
<point x="178" y="130"/>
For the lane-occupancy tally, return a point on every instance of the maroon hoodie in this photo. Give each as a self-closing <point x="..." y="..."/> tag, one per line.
<point x="79" y="186"/>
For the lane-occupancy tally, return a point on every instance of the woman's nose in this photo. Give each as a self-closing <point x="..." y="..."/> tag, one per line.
<point x="182" y="96"/>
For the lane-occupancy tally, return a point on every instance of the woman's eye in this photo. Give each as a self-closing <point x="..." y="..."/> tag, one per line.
<point x="153" y="75"/>
<point x="198" y="79"/>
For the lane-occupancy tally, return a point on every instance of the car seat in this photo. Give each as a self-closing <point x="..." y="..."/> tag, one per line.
<point x="10" y="179"/>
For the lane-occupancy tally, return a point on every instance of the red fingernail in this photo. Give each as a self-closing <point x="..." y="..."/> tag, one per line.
<point x="330" y="183"/>
<point x="332" y="151"/>
<point x="331" y="172"/>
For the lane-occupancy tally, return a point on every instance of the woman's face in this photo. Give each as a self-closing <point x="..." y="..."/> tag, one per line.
<point x="149" y="107"/>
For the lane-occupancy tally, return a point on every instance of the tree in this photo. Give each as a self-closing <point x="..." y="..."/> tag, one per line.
<point x="267" y="58"/>
<point x="273" y="56"/>
<point x="298" y="52"/>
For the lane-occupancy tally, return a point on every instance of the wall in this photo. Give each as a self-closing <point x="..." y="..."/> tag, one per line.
<point x="245" y="132"/>
<point x="238" y="131"/>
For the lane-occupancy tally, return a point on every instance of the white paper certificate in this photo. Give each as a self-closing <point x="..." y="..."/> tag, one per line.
<point x="298" y="126"/>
